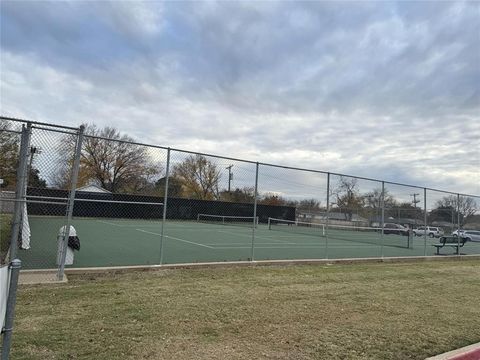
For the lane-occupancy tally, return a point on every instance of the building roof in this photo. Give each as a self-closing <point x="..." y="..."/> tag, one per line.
<point x="93" y="188"/>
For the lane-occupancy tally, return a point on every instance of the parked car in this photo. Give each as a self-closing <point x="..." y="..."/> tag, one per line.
<point x="431" y="231"/>
<point x="471" y="235"/>
<point x="396" y="229"/>
<point x="457" y="232"/>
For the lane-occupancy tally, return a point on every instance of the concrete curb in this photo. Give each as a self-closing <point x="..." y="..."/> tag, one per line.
<point x="122" y="269"/>
<point x="471" y="352"/>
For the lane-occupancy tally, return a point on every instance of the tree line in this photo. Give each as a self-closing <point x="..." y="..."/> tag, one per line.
<point x="114" y="162"/>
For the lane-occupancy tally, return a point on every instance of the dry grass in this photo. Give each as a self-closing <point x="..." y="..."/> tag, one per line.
<point x="5" y="227"/>
<point x="377" y="311"/>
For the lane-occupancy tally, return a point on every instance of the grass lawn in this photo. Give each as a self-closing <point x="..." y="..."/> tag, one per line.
<point x="367" y="311"/>
<point x="5" y="227"/>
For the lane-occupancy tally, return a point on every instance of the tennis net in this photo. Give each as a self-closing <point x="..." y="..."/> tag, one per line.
<point x="227" y="220"/>
<point x="360" y="234"/>
<point x="299" y="227"/>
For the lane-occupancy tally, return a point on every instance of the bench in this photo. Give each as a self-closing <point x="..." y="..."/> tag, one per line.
<point x="450" y="241"/>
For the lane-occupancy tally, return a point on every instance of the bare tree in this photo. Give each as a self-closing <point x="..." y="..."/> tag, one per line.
<point x="273" y="199"/>
<point x="9" y="152"/>
<point x="348" y="198"/>
<point x="199" y="177"/>
<point x="309" y="205"/>
<point x="111" y="161"/>
<point x="464" y="205"/>
<point x="240" y="195"/>
<point x="373" y="199"/>
<point x="9" y="147"/>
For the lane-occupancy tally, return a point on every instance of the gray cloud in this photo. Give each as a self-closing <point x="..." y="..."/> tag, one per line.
<point x="385" y="90"/>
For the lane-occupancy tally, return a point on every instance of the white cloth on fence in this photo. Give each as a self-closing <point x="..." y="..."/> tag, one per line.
<point x="25" y="245"/>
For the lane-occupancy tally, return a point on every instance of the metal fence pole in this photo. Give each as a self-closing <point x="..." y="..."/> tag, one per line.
<point x="425" y="221"/>
<point x="20" y="190"/>
<point x="165" y="199"/>
<point x="458" y="220"/>
<point x="383" y="217"/>
<point x="252" y="252"/>
<point x="15" y="263"/>
<point x="328" y="216"/>
<point x="71" y="202"/>
<point x="15" y="266"/>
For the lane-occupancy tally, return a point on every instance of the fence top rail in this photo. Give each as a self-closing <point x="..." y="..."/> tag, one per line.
<point x="11" y="131"/>
<point x="37" y="122"/>
<point x="282" y="166"/>
<point x="55" y="130"/>
<point x="91" y="200"/>
<point x="242" y="160"/>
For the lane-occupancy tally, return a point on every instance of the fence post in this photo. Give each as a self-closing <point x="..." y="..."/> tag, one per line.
<point x="165" y="199"/>
<point x="383" y="217"/>
<point x="425" y="221"/>
<point x="458" y="221"/>
<point x="20" y="190"/>
<point x="328" y="216"/>
<point x="71" y="202"/>
<point x="16" y="264"/>
<point x="252" y="252"/>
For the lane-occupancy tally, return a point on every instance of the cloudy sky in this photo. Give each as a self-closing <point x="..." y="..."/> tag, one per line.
<point x="389" y="90"/>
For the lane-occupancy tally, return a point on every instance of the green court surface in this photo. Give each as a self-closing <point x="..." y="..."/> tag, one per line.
<point x="115" y="242"/>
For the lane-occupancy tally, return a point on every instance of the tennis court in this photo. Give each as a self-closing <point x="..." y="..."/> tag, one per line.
<point x="117" y="242"/>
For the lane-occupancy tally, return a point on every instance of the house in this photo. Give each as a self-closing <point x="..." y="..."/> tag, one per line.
<point x="92" y="188"/>
<point x="338" y="218"/>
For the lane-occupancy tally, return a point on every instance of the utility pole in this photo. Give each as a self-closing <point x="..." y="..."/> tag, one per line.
<point x="33" y="150"/>
<point x="415" y="202"/>
<point x="230" y="176"/>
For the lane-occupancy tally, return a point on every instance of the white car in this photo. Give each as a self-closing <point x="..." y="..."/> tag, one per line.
<point x="471" y="235"/>
<point x="430" y="230"/>
<point x="456" y="232"/>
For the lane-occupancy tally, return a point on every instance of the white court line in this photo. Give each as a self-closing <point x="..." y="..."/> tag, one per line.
<point x="278" y="246"/>
<point x="270" y="247"/>
<point x="250" y="236"/>
<point x="175" y="238"/>
<point x="246" y="244"/>
<point x="293" y="246"/>
<point x="110" y="223"/>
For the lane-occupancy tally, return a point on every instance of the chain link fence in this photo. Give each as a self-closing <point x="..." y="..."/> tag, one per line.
<point x="96" y="198"/>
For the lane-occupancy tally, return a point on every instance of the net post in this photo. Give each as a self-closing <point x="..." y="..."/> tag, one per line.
<point x="20" y="190"/>
<point x="383" y="218"/>
<point x="252" y="251"/>
<point x="325" y="229"/>
<point x="424" y="221"/>
<point x="71" y="202"/>
<point x="165" y="199"/>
